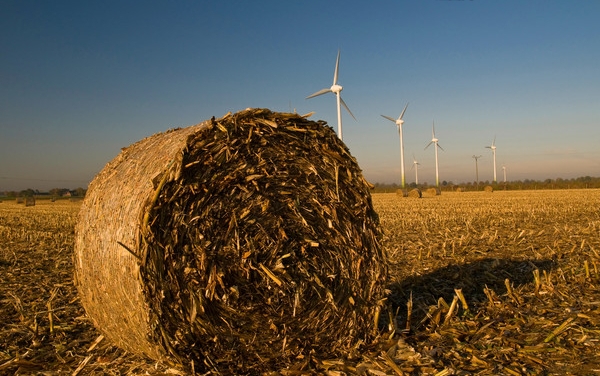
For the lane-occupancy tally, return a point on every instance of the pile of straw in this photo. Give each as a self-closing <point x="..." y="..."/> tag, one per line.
<point x="433" y="191"/>
<point x="401" y="193"/>
<point x="415" y="193"/>
<point x="239" y="245"/>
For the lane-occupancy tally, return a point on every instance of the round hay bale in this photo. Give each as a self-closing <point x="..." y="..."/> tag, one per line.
<point x="239" y="245"/>
<point x="29" y="201"/>
<point x="460" y="189"/>
<point x="402" y="193"/>
<point x="488" y="188"/>
<point x="433" y="191"/>
<point x="415" y="193"/>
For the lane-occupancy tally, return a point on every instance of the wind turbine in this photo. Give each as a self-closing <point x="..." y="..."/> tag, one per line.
<point x="493" y="147"/>
<point x="416" y="167"/>
<point x="399" y="123"/>
<point x="335" y="89"/>
<point x="476" y="157"/>
<point x="436" y="146"/>
<point x="504" y="171"/>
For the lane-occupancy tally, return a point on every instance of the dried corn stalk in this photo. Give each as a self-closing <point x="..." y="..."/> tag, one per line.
<point x="238" y="245"/>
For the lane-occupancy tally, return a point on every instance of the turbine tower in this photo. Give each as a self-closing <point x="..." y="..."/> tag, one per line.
<point x="504" y="171"/>
<point x="335" y="89"/>
<point x="399" y="123"/>
<point x="416" y="167"/>
<point x="493" y="147"/>
<point x="436" y="146"/>
<point x="476" y="157"/>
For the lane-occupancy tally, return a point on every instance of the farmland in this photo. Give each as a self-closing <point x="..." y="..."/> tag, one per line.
<point x="482" y="283"/>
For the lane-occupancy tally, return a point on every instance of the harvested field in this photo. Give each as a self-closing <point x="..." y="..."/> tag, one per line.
<point x="480" y="284"/>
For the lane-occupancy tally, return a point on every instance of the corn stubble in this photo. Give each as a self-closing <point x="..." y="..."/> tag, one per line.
<point x="481" y="284"/>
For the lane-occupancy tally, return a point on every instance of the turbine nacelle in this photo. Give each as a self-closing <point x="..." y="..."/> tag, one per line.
<point x="336" y="89"/>
<point x="398" y="121"/>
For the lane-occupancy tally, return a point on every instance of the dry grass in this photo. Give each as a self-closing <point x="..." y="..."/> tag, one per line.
<point x="482" y="285"/>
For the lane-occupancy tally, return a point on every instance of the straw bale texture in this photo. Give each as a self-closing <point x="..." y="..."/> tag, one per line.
<point x="401" y="193"/>
<point x="239" y="245"/>
<point x="433" y="191"/>
<point x="488" y="188"/>
<point x="415" y="193"/>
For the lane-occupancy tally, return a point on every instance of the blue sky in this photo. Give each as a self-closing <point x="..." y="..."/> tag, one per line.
<point x="79" y="80"/>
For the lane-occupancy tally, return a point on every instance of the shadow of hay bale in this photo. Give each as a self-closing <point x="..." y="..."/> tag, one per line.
<point x="239" y="245"/>
<point x="471" y="278"/>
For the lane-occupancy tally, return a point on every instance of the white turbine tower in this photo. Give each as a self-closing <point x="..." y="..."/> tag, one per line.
<point x="476" y="157"/>
<point x="493" y="147"/>
<point x="335" y="89"/>
<point x="416" y="167"/>
<point x="436" y="146"/>
<point x="504" y="171"/>
<point x="399" y="123"/>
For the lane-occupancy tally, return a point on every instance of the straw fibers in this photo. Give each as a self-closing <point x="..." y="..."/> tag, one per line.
<point x="433" y="191"/>
<point x="239" y="245"/>
<point x="401" y="193"/>
<point x="415" y="193"/>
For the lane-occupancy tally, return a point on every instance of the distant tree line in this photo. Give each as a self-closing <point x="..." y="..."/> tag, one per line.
<point x="54" y="193"/>
<point x="581" y="182"/>
<point x="527" y="184"/>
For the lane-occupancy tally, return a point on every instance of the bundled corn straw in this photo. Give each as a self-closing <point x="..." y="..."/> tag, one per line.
<point x="239" y="245"/>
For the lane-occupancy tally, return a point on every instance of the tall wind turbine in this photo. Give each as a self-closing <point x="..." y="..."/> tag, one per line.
<point x="476" y="157"/>
<point x="399" y="123"/>
<point x="493" y="147"/>
<point x="434" y="141"/>
<point x="416" y="167"/>
<point x="335" y="89"/>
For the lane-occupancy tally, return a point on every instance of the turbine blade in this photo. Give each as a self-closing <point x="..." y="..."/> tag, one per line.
<point x="403" y="111"/>
<point x="337" y="66"/>
<point x="389" y="118"/>
<point x="430" y="142"/>
<point x="438" y="145"/>
<point x="320" y="92"/>
<point x="494" y="142"/>
<point x="346" y="107"/>
<point x="488" y="147"/>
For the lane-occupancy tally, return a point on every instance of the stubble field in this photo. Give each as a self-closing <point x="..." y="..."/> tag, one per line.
<point x="482" y="284"/>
